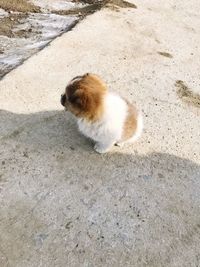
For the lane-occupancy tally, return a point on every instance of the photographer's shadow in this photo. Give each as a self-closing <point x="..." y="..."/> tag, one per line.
<point x="157" y="192"/>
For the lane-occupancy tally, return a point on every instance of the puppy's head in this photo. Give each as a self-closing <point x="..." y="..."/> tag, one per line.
<point x="84" y="96"/>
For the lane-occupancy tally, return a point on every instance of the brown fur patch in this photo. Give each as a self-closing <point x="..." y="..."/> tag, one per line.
<point x="130" y="124"/>
<point x="84" y="97"/>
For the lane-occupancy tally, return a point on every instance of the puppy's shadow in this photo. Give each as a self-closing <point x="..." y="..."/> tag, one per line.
<point x="45" y="129"/>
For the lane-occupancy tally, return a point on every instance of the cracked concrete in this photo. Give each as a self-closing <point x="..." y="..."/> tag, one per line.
<point x="64" y="205"/>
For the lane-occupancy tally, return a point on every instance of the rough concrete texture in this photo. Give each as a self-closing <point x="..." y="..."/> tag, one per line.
<point x="64" y="205"/>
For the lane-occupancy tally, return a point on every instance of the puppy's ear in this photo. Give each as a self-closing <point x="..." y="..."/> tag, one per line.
<point x="80" y="99"/>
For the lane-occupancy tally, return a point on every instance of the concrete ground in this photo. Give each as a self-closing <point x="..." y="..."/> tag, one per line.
<point x="64" y="205"/>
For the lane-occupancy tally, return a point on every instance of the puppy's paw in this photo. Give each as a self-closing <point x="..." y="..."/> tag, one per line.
<point x="100" y="148"/>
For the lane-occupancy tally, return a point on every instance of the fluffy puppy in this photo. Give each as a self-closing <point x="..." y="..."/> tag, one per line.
<point x="101" y="115"/>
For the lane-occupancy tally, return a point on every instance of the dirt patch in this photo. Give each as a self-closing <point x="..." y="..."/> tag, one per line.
<point x="7" y="24"/>
<point x="96" y="5"/>
<point x="187" y="95"/>
<point x="81" y="11"/>
<point x="121" y="3"/>
<point x="165" y="54"/>
<point x="18" y="5"/>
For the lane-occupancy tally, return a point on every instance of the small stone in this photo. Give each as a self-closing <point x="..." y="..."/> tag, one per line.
<point x="160" y="175"/>
<point x="25" y="154"/>
<point x="68" y="225"/>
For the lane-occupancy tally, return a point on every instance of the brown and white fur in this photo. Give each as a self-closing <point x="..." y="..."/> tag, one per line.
<point x="103" y="116"/>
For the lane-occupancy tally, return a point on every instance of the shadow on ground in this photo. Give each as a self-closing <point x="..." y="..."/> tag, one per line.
<point x="60" y="200"/>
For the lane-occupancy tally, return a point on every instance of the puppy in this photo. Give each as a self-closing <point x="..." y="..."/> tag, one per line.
<point x="103" y="116"/>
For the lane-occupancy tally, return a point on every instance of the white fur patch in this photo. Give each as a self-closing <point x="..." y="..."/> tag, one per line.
<point x="109" y="129"/>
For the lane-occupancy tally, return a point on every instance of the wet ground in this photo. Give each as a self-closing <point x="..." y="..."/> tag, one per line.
<point x="26" y="27"/>
<point x="24" y="33"/>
